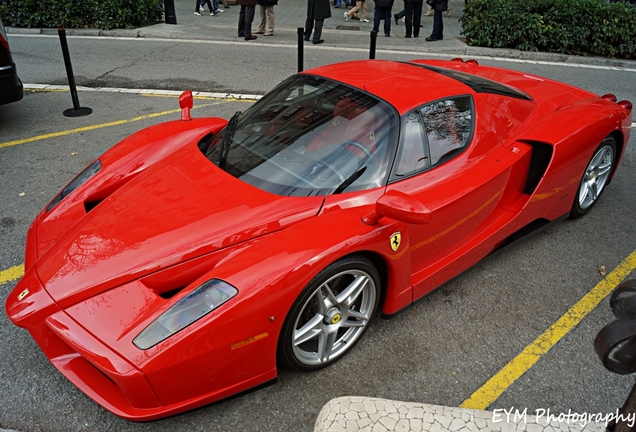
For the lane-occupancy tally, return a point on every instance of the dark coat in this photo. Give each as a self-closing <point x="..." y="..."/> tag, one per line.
<point x="440" y="5"/>
<point x="384" y="3"/>
<point x="318" y="9"/>
<point x="247" y="2"/>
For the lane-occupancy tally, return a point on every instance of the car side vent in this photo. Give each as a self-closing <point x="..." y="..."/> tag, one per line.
<point x="90" y="205"/>
<point x="541" y="156"/>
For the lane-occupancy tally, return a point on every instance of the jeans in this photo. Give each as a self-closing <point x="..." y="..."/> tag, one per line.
<point x="382" y="13"/>
<point x="438" y="25"/>
<point x="339" y="3"/>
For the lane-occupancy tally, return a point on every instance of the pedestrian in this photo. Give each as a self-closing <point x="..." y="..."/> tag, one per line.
<point x="438" y="6"/>
<point x="383" y="12"/>
<point x="246" y="16"/>
<point x="399" y="16"/>
<point x="317" y="12"/>
<point x="338" y="4"/>
<point x="413" y="15"/>
<point x="266" y="27"/>
<point x="361" y="5"/>
<point x="198" y="10"/>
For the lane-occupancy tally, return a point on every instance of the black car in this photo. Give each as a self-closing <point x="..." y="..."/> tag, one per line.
<point x="10" y="84"/>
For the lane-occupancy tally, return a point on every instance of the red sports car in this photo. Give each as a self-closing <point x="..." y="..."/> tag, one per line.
<point x="195" y="257"/>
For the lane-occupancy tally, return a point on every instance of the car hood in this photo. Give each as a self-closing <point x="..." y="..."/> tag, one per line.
<point x="179" y="209"/>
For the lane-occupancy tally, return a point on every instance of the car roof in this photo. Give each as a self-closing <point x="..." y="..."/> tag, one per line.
<point x="404" y="85"/>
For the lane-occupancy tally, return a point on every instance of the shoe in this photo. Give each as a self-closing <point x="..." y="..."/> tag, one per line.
<point x="416" y="35"/>
<point x="241" y="35"/>
<point x="431" y="39"/>
<point x="259" y="32"/>
<point x="197" y="13"/>
<point x="306" y="39"/>
<point x="364" y="20"/>
<point x="218" y="10"/>
<point x="268" y="34"/>
<point x="397" y="18"/>
<point x="318" y="41"/>
<point x="346" y="16"/>
<point x="448" y="11"/>
<point x="429" y="12"/>
<point x="407" y="36"/>
<point x="213" y="13"/>
<point x="387" y="34"/>
<point x="251" y="37"/>
<point x="201" y="9"/>
<point x="403" y="19"/>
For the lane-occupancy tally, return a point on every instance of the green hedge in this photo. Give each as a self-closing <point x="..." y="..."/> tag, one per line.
<point x="103" y="14"/>
<point x="580" y="27"/>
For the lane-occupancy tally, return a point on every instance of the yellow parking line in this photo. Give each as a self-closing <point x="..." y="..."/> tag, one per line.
<point x="11" y="274"/>
<point x="495" y="386"/>
<point x="102" y="125"/>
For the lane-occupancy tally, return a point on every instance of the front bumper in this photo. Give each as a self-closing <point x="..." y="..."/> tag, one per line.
<point x="11" y="89"/>
<point x="100" y="372"/>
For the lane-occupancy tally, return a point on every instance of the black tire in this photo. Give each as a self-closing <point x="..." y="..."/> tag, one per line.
<point x="596" y="176"/>
<point x="330" y="315"/>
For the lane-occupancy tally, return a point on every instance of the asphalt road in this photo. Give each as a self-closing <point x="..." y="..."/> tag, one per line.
<point x="439" y="351"/>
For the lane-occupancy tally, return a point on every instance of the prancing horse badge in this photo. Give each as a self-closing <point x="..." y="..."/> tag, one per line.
<point x="396" y="238"/>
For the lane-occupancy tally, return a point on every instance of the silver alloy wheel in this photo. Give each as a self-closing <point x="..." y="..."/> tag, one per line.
<point x="333" y="317"/>
<point x="595" y="178"/>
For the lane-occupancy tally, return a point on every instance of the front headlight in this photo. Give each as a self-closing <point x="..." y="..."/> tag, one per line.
<point x="89" y="172"/>
<point x="189" y="309"/>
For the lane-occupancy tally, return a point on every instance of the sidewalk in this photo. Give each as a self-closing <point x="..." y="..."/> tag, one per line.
<point x="363" y="414"/>
<point x="337" y="33"/>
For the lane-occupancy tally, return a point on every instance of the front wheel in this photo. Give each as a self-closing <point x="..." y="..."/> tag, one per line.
<point x="330" y="315"/>
<point x="595" y="178"/>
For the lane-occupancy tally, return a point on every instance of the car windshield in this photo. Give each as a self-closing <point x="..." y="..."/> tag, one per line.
<point x="309" y="136"/>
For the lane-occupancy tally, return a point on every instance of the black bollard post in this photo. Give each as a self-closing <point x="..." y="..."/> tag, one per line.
<point x="76" y="111"/>
<point x="374" y="37"/>
<point x="301" y="46"/>
<point x="171" y="16"/>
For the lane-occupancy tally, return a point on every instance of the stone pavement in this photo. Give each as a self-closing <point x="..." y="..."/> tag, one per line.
<point x="365" y="414"/>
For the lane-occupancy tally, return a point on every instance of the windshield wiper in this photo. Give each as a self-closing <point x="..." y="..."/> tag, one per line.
<point x="227" y="139"/>
<point x="353" y="177"/>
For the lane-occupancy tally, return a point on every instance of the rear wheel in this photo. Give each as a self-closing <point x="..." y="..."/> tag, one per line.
<point x="330" y="315"/>
<point x="595" y="178"/>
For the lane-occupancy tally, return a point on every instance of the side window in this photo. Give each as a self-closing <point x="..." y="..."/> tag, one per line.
<point x="413" y="155"/>
<point x="448" y="125"/>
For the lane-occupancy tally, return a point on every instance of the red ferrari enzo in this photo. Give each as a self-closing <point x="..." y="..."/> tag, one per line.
<point x="195" y="257"/>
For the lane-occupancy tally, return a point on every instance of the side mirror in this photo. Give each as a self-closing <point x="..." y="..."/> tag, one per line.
<point x="399" y="206"/>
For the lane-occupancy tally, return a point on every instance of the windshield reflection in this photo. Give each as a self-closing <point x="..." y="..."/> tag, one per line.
<point x="309" y="136"/>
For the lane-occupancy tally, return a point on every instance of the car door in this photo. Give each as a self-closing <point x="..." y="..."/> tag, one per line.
<point x="452" y="161"/>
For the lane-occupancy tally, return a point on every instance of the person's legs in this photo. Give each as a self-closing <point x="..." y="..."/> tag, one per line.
<point x="249" y="18"/>
<point x="241" y="22"/>
<point x="408" y="14"/>
<point x="387" y="20"/>
<point x="318" y="31"/>
<point x="363" y="10"/>
<point x="261" y="25"/>
<point x="196" y="7"/>
<point x="352" y="12"/>
<point x="417" y="17"/>
<point x="271" y="20"/>
<point x="309" y="27"/>
<point x="376" y="18"/>
<point x="438" y="26"/>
